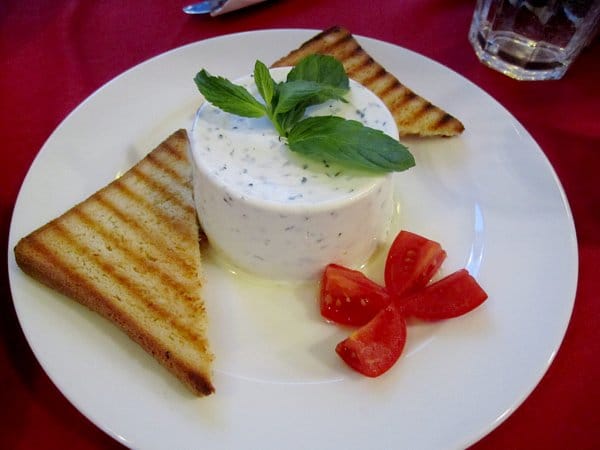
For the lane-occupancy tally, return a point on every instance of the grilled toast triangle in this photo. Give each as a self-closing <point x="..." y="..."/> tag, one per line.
<point x="414" y="114"/>
<point x="131" y="253"/>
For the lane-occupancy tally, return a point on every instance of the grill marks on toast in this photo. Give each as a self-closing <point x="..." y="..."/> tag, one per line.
<point x="130" y="252"/>
<point x="145" y="265"/>
<point x="414" y="114"/>
<point x="128" y="192"/>
<point x="62" y="275"/>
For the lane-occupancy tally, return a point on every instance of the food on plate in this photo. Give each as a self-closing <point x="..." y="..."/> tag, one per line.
<point x="452" y="296"/>
<point x="302" y="178"/>
<point x="414" y="114"/>
<point x="131" y="253"/>
<point x="314" y="80"/>
<point x="411" y="262"/>
<point x="267" y="205"/>
<point x="374" y="348"/>
<point x="350" y="298"/>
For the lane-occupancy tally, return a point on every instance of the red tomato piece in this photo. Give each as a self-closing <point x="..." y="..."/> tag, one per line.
<point x="411" y="263"/>
<point x="350" y="298"/>
<point x="376" y="346"/>
<point x="452" y="296"/>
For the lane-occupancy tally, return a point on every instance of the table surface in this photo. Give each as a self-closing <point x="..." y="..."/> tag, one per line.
<point x="55" y="54"/>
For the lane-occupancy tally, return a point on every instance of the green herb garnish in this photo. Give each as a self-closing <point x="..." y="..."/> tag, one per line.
<point x="315" y="79"/>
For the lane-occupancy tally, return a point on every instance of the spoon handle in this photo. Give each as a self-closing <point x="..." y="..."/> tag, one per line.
<point x="203" y="7"/>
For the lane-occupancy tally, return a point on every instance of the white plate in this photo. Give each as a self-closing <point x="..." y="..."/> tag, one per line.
<point x="489" y="196"/>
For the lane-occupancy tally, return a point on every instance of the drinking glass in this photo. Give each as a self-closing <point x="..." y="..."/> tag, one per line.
<point x="532" y="39"/>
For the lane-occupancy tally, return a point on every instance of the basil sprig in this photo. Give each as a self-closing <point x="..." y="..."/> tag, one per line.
<point x="314" y="80"/>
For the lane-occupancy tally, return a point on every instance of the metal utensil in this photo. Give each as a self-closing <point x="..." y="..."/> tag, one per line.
<point x="204" y="7"/>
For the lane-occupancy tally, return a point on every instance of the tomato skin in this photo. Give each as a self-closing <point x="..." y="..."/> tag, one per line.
<point x="452" y="296"/>
<point x="411" y="263"/>
<point x="348" y="297"/>
<point x="374" y="348"/>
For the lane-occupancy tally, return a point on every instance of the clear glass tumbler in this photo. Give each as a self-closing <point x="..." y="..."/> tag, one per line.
<point x="532" y="39"/>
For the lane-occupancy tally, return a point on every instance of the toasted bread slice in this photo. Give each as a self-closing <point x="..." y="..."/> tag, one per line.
<point x="130" y="252"/>
<point x="414" y="115"/>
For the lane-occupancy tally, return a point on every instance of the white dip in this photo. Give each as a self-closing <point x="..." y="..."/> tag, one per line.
<point x="278" y="214"/>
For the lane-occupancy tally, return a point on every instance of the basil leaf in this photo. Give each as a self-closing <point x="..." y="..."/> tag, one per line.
<point x="315" y="79"/>
<point x="292" y="93"/>
<point x="293" y="97"/>
<point x="289" y="119"/>
<point x="350" y="143"/>
<point x="227" y="96"/>
<point x="322" y="69"/>
<point x="264" y="82"/>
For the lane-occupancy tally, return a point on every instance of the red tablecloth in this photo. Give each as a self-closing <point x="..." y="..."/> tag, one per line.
<point x="54" y="54"/>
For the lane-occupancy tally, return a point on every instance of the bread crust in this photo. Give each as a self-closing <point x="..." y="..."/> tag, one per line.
<point x="414" y="115"/>
<point x="78" y="254"/>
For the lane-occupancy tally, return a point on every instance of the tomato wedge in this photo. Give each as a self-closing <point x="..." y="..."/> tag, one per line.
<point x="350" y="298"/>
<point x="411" y="263"/>
<point x="452" y="296"/>
<point x="376" y="346"/>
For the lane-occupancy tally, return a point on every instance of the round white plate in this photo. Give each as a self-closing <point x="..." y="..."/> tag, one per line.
<point x="489" y="196"/>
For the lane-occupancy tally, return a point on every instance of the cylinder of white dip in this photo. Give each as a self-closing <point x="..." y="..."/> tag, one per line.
<point x="278" y="214"/>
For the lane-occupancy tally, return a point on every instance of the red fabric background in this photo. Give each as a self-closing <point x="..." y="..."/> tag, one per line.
<point x="53" y="54"/>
